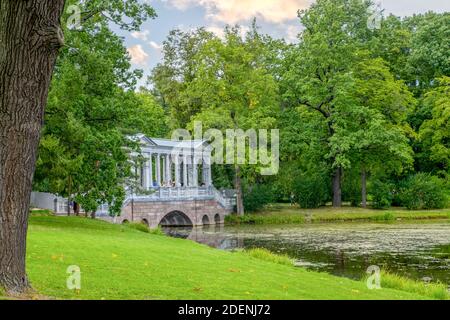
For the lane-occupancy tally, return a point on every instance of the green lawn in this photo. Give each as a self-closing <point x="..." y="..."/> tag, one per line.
<point x="284" y="213"/>
<point x="118" y="262"/>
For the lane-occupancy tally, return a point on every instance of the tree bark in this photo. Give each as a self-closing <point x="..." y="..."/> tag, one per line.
<point x="337" y="192"/>
<point x="239" y="194"/>
<point x="30" y="36"/>
<point x="363" y="187"/>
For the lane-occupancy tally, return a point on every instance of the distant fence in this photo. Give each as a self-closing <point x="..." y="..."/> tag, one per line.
<point x="43" y="200"/>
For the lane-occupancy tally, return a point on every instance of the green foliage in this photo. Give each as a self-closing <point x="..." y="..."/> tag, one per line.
<point x="351" y="188"/>
<point x="429" y="49"/>
<point x="437" y="291"/>
<point x="311" y="189"/>
<point x="423" y="191"/>
<point x="382" y="194"/>
<point x="266" y="255"/>
<point x="435" y="132"/>
<point x="138" y="226"/>
<point x="257" y="196"/>
<point x="92" y="108"/>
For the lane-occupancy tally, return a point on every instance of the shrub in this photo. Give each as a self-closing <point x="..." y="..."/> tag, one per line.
<point x="311" y="190"/>
<point x="157" y="231"/>
<point x="138" y="226"/>
<point x="431" y="290"/>
<point x="423" y="191"/>
<point x="266" y="255"/>
<point x="382" y="194"/>
<point x="257" y="196"/>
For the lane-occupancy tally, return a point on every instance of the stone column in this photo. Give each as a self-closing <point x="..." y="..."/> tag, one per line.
<point x="194" y="171"/>
<point x="149" y="173"/>
<point x="185" y="171"/>
<point x="189" y="171"/>
<point x="207" y="172"/>
<point x="168" y="171"/>
<point x="177" y="170"/>
<point x="158" y="169"/>
<point x="164" y="166"/>
<point x="151" y="170"/>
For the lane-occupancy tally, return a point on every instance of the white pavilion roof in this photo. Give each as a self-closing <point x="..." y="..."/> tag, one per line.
<point x="160" y="143"/>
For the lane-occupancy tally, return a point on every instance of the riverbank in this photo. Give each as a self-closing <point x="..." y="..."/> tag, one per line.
<point x="287" y="214"/>
<point x="118" y="262"/>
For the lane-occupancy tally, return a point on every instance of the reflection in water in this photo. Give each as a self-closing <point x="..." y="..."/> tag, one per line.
<point x="344" y="249"/>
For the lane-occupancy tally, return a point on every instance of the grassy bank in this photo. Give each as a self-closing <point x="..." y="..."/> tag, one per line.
<point x="119" y="262"/>
<point x="285" y="214"/>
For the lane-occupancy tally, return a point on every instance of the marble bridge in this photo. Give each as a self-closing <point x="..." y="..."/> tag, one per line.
<point x="175" y="186"/>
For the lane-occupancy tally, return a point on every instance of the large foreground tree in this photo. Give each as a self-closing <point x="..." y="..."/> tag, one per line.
<point x="30" y="36"/>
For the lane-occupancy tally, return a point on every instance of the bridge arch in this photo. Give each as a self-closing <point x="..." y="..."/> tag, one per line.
<point x="176" y="219"/>
<point x="205" y="220"/>
<point x="217" y="218"/>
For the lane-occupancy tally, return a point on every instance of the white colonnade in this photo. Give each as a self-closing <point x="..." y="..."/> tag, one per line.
<point x="169" y="170"/>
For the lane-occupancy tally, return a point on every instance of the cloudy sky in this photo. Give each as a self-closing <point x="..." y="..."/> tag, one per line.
<point x="276" y="17"/>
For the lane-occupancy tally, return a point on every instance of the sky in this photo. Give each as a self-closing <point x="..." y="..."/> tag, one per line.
<point x="277" y="18"/>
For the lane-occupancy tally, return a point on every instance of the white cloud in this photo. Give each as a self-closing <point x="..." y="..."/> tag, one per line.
<point x="218" y="31"/>
<point x="234" y="11"/>
<point x="141" y="35"/>
<point x="138" y="55"/>
<point x="292" y="32"/>
<point x="155" y="45"/>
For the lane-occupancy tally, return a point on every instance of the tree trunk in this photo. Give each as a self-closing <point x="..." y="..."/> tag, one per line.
<point x="30" y="36"/>
<point x="363" y="187"/>
<point x="239" y="194"/>
<point x="76" y="208"/>
<point x="337" y="192"/>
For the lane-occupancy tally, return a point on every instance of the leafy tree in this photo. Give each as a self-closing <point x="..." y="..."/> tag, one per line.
<point x="236" y="90"/>
<point x="429" y="49"/>
<point x="92" y="108"/>
<point x="435" y="132"/>
<point x="173" y="76"/>
<point x="320" y="69"/>
<point x="375" y="126"/>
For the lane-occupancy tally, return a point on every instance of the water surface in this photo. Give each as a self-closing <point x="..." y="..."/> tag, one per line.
<point x="412" y="249"/>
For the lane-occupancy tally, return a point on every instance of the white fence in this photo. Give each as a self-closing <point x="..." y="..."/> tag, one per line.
<point x="48" y="201"/>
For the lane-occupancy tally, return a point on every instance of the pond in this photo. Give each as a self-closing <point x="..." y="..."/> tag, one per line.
<point x="418" y="250"/>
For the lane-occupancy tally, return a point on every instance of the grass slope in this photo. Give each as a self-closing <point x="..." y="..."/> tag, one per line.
<point x="118" y="262"/>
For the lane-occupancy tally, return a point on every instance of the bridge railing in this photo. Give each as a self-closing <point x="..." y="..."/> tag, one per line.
<point x="177" y="193"/>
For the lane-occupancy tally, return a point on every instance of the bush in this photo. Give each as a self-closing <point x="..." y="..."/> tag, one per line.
<point x="257" y="196"/>
<point x="431" y="290"/>
<point x="266" y="255"/>
<point x="138" y="226"/>
<point x="382" y="194"/>
<point x="423" y="191"/>
<point x="311" y="190"/>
